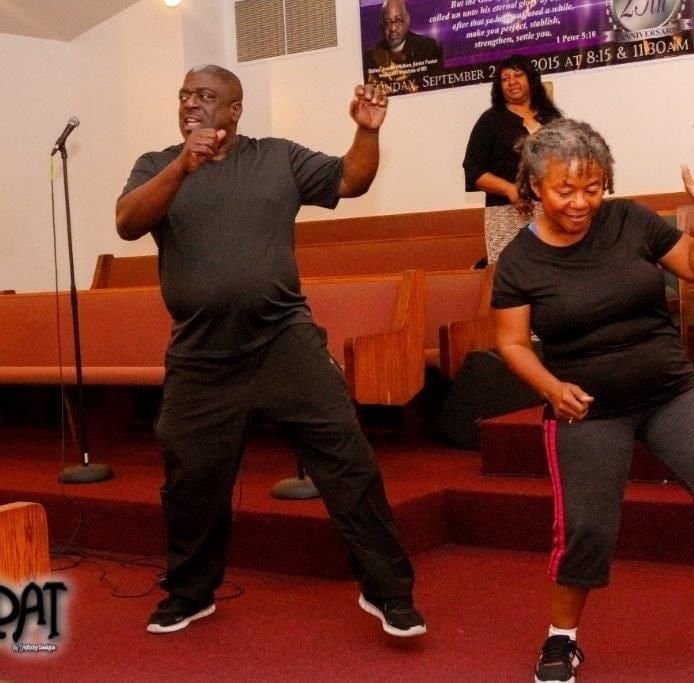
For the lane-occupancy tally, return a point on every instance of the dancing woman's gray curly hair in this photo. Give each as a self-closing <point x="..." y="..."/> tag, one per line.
<point x="562" y="140"/>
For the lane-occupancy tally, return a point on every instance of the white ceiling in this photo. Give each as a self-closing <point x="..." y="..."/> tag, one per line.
<point x="56" y="19"/>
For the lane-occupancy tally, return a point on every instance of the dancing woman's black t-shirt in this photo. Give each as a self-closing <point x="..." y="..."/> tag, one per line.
<point x="599" y="308"/>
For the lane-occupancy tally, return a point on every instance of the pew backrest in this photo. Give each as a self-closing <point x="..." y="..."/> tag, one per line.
<point x="457" y="316"/>
<point x="375" y="329"/>
<point x="123" y="337"/>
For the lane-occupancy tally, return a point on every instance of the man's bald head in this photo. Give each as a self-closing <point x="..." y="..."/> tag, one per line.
<point x="230" y="80"/>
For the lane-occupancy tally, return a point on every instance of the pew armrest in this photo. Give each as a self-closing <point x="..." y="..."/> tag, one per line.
<point x="458" y="338"/>
<point x="387" y="368"/>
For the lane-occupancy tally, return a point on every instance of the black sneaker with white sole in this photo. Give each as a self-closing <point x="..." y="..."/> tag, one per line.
<point x="398" y="615"/>
<point x="176" y="612"/>
<point x="558" y="661"/>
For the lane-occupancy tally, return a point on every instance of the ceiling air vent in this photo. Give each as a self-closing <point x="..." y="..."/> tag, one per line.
<point x="271" y="28"/>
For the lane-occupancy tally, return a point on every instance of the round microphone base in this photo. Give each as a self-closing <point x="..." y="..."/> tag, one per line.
<point x="295" y="489"/>
<point x="85" y="474"/>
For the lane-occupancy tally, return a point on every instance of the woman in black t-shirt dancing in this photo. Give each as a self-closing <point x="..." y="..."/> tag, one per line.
<point x="586" y="277"/>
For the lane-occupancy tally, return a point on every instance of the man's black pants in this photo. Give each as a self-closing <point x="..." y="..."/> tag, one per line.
<point x="201" y="428"/>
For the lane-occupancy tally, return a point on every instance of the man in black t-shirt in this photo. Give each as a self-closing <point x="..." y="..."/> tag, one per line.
<point x="221" y="208"/>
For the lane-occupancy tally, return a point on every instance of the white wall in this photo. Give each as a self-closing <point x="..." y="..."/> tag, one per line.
<point x="121" y="79"/>
<point x="35" y="86"/>
<point x="645" y="111"/>
<point x="125" y="75"/>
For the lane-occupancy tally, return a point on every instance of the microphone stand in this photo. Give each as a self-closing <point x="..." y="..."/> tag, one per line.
<point x="86" y="472"/>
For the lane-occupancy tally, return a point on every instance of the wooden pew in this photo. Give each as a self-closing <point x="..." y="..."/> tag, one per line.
<point x="457" y="316"/>
<point x="371" y="257"/>
<point x="456" y="306"/>
<point x="428" y="240"/>
<point x="375" y="328"/>
<point x="467" y="222"/>
<point x="325" y="259"/>
<point x="431" y="240"/>
<point x="124" y="334"/>
<point x="125" y="271"/>
<point x="375" y="331"/>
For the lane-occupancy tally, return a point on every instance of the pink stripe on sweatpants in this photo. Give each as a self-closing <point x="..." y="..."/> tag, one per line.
<point x="559" y="540"/>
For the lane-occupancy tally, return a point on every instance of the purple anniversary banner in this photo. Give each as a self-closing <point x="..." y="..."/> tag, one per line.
<point x="416" y="45"/>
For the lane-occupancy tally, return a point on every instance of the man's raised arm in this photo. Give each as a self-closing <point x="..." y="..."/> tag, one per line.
<point x="360" y="163"/>
<point x="141" y="209"/>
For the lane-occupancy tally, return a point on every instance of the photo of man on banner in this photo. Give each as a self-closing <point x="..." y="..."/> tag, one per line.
<point x="401" y="59"/>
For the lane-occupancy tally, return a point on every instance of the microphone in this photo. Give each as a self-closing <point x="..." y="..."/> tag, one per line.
<point x="72" y="123"/>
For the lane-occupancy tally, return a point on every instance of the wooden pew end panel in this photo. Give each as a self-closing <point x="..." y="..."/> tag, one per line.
<point x="387" y="368"/>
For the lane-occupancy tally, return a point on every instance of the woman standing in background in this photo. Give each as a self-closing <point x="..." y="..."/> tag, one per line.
<point x="520" y="105"/>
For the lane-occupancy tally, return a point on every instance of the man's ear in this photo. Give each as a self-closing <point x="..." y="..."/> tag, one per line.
<point x="237" y="110"/>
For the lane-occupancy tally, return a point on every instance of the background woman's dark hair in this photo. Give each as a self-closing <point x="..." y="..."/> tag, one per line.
<point x="539" y="99"/>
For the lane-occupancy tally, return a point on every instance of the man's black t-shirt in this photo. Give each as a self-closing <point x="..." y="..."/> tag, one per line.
<point x="226" y="246"/>
<point x="599" y="308"/>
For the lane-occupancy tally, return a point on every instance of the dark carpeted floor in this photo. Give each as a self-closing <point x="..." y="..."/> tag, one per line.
<point x="484" y="598"/>
<point x="486" y="614"/>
